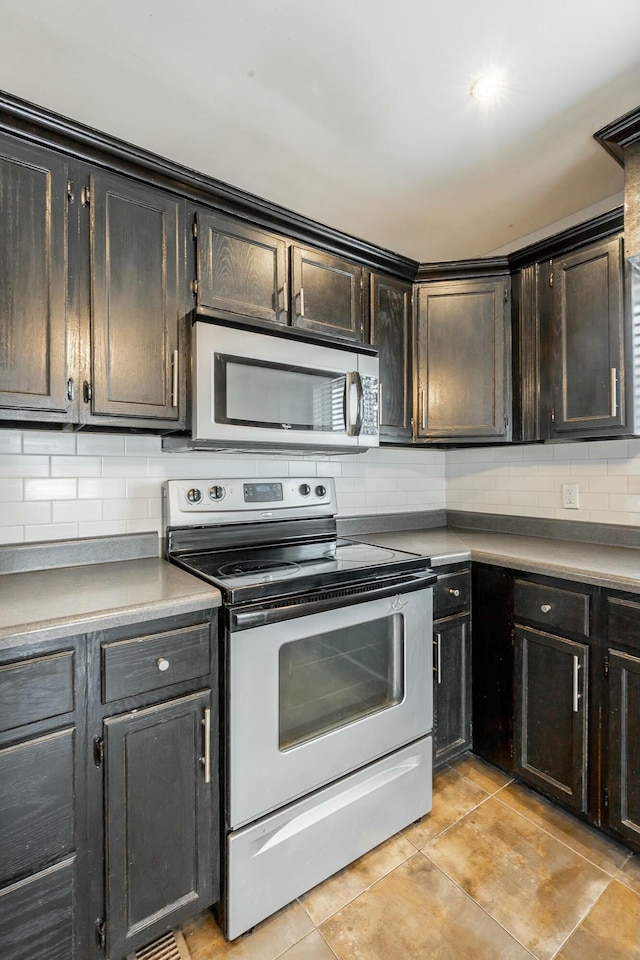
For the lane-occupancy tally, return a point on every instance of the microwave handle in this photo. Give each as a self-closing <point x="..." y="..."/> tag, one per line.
<point x="353" y="379"/>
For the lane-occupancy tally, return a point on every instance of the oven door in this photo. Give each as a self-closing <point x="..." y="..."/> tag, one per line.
<point x="313" y="698"/>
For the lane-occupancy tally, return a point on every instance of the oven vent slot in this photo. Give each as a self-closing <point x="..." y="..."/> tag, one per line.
<point x="338" y="593"/>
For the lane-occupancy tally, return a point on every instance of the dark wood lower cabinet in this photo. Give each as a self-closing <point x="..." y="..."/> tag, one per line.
<point x="551" y="691"/>
<point x="452" y="688"/>
<point x="624" y="744"/>
<point x="38" y="916"/>
<point x="158" y="819"/>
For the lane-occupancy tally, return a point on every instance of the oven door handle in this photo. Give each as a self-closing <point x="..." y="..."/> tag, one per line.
<point x="242" y="618"/>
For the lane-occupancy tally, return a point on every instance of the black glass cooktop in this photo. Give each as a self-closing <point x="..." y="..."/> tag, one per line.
<point x="281" y="570"/>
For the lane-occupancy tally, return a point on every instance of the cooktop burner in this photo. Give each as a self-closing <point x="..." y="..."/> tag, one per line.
<point x="274" y="568"/>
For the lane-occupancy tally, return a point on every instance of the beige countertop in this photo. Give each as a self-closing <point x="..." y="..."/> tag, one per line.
<point x="617" y="568"/>
<point x="47" y="604"/>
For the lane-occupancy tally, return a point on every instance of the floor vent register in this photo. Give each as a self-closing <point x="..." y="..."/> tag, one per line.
<point x="170" y="946"/>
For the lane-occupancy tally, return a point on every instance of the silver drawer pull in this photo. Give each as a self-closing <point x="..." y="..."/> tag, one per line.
<point x="545" y="607"/>
<point x="454" y="592"/>
<point x="163" y="664"/>
<point x="576" y="691"/>
<point x="206" y="732"/>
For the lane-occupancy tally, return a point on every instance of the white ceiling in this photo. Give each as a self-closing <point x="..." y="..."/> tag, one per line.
<point x="353" y="112"/>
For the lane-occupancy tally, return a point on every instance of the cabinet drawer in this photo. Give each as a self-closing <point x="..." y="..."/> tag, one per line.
<point x="624" y="622"/>
<point x="451" y="593"/>
<point x="33" y="690"/>
<point x="36" y="803"/>
<point x="135" y="666"/>
<point x="561" y="610"/>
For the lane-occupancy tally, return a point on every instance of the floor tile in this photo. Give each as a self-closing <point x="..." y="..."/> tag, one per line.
<point x="585" y="840"/>
<point x="532" y="884"/>
<point x="313" y="947"/>
<point x="328" y="897"/>
<point x="481" y="773"/>
<point x="611" y="929"/>
<point x="270" y="939"/>
<point x="630" y="873"/>
<point x="453" y="797"/>
<point x="415" y="913"/>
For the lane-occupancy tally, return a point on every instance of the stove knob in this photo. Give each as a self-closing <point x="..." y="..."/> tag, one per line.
<point x="216" y="493"/>
<point x="320" y="490"/>
<point x="194" y="495"/>
<point x="304" y="489"/>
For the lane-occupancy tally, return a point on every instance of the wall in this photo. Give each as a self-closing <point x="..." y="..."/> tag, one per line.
<point x="527" y="480"/>
<point x="65" y="485"/>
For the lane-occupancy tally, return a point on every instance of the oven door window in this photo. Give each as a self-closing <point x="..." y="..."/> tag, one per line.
<point x="333" y="678"/>
<point x="278" y="396"/>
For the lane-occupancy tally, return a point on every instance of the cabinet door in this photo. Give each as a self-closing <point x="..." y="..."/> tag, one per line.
<point x="327" y="294"/>
<point x="452" y="688"/>
<point x="159" y="820"/>
<point x="462" y="344"/>
<point x="390" y="331"/>
<point x="134" y="302"/>
<point x="624" y="737"/>
<point x="33" y="212"/>
<point x="241" y="270"/>
<point x="551" y="686"/>
<point x="588" y="381"/>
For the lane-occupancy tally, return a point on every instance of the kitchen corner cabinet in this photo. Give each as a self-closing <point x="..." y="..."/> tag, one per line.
<point x="390" y="331"/>
<point x="587" y="362"/>
<point x="91" y="300"/>
<point x="462" y="360"/>
<point x="451" y="664"/>
<point x="622" y="669"/>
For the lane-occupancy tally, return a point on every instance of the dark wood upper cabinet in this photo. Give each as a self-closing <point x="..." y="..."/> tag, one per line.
<point x="390" y="331"/>
<point x="134" y="300"/>
<point x="33" y="253"/>
<point x="241" y="269"/>
<point x="327" y="295"/>
<point x="462" y="343"/>
<point x="587" y="364"/>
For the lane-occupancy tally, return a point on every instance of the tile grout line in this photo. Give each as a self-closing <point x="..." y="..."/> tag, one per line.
<point x="581" y="920"/>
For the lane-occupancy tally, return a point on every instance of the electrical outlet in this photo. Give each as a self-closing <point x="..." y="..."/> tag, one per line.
<point x="570" y="496"/>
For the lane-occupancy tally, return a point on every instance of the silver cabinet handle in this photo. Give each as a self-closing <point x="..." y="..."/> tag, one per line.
<point x="163" y="664"/>
<point x="614" y="391"/>
<point x="438" y="658"/>
<point x="454" y="592"/>
<point x="576" y="695"/>
<point x="71" y="390"/>
<point x="302" y="301"/>
<point x="423" y="401"/>
<point x="206" y="759"/>
<point x="546" y="607"/>
<point x="174" y="380"/>
<point x="285" y="297"/>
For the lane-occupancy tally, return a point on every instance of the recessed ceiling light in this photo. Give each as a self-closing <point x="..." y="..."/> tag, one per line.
<point x="488" y="87"/>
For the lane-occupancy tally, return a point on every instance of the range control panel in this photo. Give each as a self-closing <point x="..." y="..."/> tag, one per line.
<point x="240" y="500"/>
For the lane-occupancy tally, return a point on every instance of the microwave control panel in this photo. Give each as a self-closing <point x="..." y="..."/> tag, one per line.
<point x="369" y="406"/>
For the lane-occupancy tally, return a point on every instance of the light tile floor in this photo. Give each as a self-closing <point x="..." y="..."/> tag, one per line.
<point x="494" y="872"/>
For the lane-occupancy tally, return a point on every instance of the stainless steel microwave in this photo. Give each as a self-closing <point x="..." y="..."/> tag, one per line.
<point x="257" y="390"/>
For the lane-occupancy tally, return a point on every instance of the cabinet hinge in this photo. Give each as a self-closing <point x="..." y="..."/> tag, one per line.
<point x="86" y="195"/>
<point x="98" y="751"/>
<point x="553" y="415"/>
<point x="101" y="933"/>
<point x="194" y="228"/>
<point x="506" y="295"/>
<point x="605" y="799"/>
<point x="606" y="666"/>
<point x="194" y="287"/>
<point x="70" y="194"/>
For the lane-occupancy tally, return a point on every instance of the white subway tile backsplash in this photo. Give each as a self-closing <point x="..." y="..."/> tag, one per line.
<point x="10" y="441"/>
<point x="75" y="511"/>
<point x="50" y="488"/>
<point x="143" y="446"/>
<point x="22" y="513"/>
<point x="98" y="488"/>
<point x="16" y="465"/>
<point x="75" y="466"/>
<point x="11" y="534"/>
<point x="125" y="509"/>
<point x="102" y="528"/>
<point x="139" y="487"/>
<point x="607" y="449"/>
<point x="123" y="467"/>
<point x="100" y="444"/>
<point x="35" y="441"/>
<point x="11" y="489"/>
<point x="51" y="531"/>
<point x="571" y="451"/>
